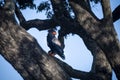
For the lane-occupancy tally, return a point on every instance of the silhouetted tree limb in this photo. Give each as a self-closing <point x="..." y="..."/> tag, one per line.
<point x="39" y="24"/>
<point x="72" y="72"/>
<point x="116" y="13"/>
<point x="19" y="15"/>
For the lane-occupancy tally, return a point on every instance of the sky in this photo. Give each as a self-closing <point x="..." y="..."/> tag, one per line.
<point x="75" y="51"/>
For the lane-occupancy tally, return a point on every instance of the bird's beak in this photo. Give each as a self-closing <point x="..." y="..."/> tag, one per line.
<point x="54" y="33"/>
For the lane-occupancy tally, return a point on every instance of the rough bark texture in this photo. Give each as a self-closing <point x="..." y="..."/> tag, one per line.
<point x="103" y="33"/>
<point x="31" y="61"/>
<point x="24" y="53"/>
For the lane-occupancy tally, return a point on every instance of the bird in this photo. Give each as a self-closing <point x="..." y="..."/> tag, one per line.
<point x="54" y="44"/>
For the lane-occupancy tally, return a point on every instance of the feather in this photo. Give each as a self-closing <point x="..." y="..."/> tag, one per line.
<point x="56" y="41"/>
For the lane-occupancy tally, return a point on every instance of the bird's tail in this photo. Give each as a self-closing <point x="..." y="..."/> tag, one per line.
<point x="62" y="56"/>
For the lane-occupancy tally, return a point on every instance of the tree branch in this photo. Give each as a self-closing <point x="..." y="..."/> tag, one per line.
<point x="86" y="20"/>
<point x="100" y="63"/>
<point x="88" y="4"/>
<point x="116" y="14"/>
<point x="106" y="9"/>
<point x="39" y="24"/>
<point x="72" y="72"/>
<point x="104" y="35"/>
<point x="24" y="53"/>
<point x="19" y="15"/>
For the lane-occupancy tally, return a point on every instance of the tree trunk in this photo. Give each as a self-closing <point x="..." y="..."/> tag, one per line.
<point x="24" y="53"/>
<point x="102" y="32"/>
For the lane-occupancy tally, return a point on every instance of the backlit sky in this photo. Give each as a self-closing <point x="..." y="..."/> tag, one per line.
<point x="76" y="53"/>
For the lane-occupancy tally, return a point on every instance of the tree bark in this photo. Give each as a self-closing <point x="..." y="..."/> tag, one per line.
<point x="102" y="32"/>
<point x="32" y="62"/>
<point x="24" y="53"/>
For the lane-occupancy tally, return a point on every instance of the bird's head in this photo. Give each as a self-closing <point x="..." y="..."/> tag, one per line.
<point x="52" y="31"/>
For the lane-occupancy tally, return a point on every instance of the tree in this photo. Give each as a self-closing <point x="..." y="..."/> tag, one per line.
<point x="22" y="50"/>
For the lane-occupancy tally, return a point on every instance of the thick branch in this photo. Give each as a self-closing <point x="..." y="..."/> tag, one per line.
<point x="39" y="24"/>
<point x="88" y="4"/>
<point x="106" y="9"/>
<point x="72" y="72"/>
<point x="19" y="15"/>
<point x="101" y="68"/>
<point x="24" y="53"/>
<point x="102" y="32"/>
<point x="116" y="14"/>
<point x="85" y="4"/>
<point x="86" y="20"/>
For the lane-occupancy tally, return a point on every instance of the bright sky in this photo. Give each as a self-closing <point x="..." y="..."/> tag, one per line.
<point x="76" y="53"/>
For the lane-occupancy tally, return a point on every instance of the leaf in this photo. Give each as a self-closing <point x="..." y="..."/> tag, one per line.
<point x="43" y="6"/>
<point x="23" y="4"/>
<point x="96" y="1"/>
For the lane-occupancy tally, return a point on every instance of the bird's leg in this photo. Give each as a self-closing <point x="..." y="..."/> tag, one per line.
<point x="51" y="53"/>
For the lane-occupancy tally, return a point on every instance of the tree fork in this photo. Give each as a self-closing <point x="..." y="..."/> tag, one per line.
<point x="103" y="33"/>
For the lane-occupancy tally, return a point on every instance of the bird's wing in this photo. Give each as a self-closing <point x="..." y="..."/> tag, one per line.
<point x="56" y="47"/>
<point x="56" y="41"/>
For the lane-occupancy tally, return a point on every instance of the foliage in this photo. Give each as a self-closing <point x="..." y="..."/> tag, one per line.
<point x="96" y="1"/>
<point x="23" y="4"/>
<point x="1" y="3"/>
<point x="45" y="6"/>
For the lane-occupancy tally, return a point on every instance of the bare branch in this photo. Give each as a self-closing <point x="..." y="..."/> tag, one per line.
<point x="116" y="14"/>
<point x="86" y="20"/>
<point x="19" y="15"/>
<point x="39" y="24"/>
<point x="106" y="9"/>
<point x="72" y="72"/>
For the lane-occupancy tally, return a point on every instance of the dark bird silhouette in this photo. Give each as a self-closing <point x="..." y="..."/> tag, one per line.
<point x="54" y="44"/>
